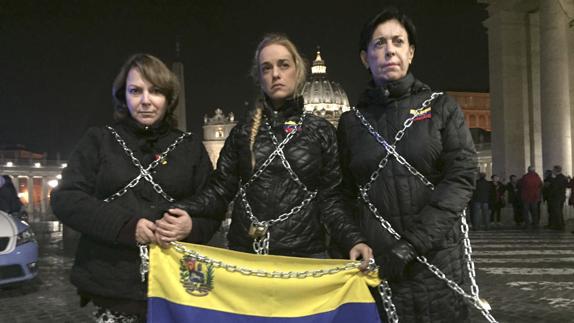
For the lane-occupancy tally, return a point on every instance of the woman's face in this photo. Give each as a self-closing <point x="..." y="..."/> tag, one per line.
<point x="389" y="53"/>
<point x="277" y="73"/>
<point x="146" y="104"/>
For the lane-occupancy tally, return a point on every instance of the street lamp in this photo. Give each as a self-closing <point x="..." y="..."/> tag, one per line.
<point x="53" y="183"/>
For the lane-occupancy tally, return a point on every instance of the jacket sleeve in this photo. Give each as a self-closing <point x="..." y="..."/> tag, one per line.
<point x="212" y="201"/>
<point x="454" y="189"/>
<point x="335" y="214"/>
<point x="202" y="229"/>
<point x="349" y="187"/>
<point x="74" y="202"/>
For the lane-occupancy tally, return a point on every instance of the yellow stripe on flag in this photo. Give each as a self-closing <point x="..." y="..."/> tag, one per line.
<point x="234" y="292"/>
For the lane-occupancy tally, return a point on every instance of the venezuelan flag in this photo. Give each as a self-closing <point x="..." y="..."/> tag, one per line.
<point x="185" y="289"/>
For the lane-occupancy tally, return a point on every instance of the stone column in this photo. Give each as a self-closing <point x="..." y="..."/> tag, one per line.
<point x="43" y="197"/>
<point x="570" y="36"/>
<point x="532" y="118"/>
<point x="30" y="183"/>
<point x="508" y="44"/>
<point x="555" y="87"/>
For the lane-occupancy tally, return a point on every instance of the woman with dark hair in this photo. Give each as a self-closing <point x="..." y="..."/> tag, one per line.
<point x="408" y="156"/>
<point x="281" y="166"/>
<point x="119" y="182"/>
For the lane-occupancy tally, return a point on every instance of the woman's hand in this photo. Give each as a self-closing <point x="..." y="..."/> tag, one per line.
<point x="175" y="225"/>
<point x="361" y="250"/>
<point x="145" y="231"/>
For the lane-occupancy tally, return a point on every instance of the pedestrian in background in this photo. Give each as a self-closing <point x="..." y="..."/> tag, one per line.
<point x="9" y="201"/>
<point x="556" y="196"/>
<point x="481" y="200"/>
<point x="497" y="201"/>
<point x="530" y="192"/>
<point x="513" y="197"/>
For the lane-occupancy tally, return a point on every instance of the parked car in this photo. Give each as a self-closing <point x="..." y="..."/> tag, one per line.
<point x="18" y="250"/>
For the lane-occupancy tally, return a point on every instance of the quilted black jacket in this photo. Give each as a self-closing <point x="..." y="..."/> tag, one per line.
<point x="312" y="154"/>
<point x="107" y="259"/>
<point x="439" y="146"/>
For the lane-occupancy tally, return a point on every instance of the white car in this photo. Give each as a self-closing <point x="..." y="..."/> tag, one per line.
<point x="18" y="250"/>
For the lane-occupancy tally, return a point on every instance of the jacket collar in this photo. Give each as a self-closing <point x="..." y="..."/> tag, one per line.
<point x="292" y="107"/>
<point x="391" y="91"/>
<point x="145" y="132"/>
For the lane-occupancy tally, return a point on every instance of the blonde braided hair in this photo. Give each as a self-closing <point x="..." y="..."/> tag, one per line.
<point x="256" y="123"/>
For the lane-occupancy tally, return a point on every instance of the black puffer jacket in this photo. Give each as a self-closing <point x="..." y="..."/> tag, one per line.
<point x="439" y="146"/>
<point x="107" y="259"/>
<point x="312" y="154"/>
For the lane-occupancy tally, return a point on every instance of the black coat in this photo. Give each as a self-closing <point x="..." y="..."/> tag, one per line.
<point x="312" y="154"/>
<point x="9" y="201"/>
<point x="483" y="192"/>
<point x="107" y="259"/>
<point x="438" y="145"/>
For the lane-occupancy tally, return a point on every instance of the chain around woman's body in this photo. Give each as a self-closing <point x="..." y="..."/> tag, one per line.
<point x="261" y="240"/>
<point x="474" y="298"/>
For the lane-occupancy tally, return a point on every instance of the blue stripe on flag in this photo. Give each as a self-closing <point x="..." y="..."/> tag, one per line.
<point x="163" y="311"/>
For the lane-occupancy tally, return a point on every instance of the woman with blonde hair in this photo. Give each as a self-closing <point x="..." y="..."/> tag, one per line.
<point x="280" y="167"/>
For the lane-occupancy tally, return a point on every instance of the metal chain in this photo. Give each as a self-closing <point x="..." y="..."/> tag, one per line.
<point x="263" y="273"/>
<point x="144" y="257"/>
<point x="144" y="172"/>
<point x="284" y="160"/>
<point x="275" y="153"/>
<point x="386" y="297"/>
<point x="472" y="298"/>
<point x="391" y="149"/>
<point x="261" y="242"/>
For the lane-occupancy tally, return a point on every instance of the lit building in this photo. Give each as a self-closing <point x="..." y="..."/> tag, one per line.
<point x="323" y="97"/>
<point x="34" y="178"/>
<point x="476" y="108"/>
<point x="531" y="64"/>
<point x="215" y="131"/>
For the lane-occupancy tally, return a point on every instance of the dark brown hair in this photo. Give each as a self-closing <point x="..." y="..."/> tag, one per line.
<point x="154" y="71"/>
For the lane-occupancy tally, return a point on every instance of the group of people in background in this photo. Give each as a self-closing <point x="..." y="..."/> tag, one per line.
<point x="526" y="195"/>
<point x="404" y="157"/>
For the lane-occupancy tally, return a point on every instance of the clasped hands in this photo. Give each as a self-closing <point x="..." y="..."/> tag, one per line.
<point x="175" y="225"/>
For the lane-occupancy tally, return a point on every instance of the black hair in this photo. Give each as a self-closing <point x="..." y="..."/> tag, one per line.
<point x="389" y="13"/>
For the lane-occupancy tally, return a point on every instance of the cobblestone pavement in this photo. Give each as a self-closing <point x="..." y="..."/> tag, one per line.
<point x="50" y="297"/>
<point x="527" y="276"/>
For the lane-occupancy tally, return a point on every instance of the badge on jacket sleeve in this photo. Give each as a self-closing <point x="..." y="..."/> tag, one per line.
<point x="421" y="114"/>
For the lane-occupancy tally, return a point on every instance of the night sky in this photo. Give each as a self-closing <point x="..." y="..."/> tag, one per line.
<point x="58" y="58"/>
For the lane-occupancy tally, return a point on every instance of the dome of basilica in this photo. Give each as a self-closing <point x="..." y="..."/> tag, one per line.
<point x="323" y="97"/>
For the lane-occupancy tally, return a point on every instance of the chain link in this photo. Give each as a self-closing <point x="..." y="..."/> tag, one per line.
<point x="262" y="273"/>
<point x="144" y="172"/>
<point x="391" y="148"/>
<point x="284" y="160"/>
<point x="386" y="297"/>
<point x="472" y="298"/>
<point x="276" y="152"/>
<point x="144" y="257"/>
<point x="261" y="243"/>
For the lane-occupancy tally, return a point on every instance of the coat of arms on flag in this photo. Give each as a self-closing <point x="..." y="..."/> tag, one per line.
<point x="194" y="283"/>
